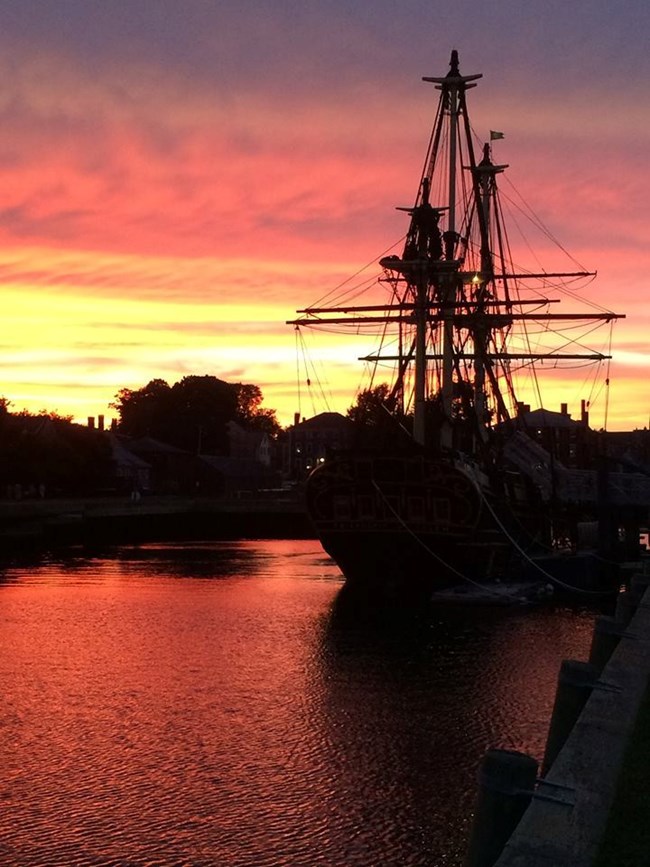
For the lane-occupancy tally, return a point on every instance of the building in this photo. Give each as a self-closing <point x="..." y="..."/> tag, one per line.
<point x="249" y="445"/>
<point x="308" y="443"/>
<point x="568" y="440"/>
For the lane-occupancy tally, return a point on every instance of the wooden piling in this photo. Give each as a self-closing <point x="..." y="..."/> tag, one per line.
<point x="574" y="685"/>
<point x="606" y="636"/>
<point x="639" y="583"/>
<point x="506" y="784"/>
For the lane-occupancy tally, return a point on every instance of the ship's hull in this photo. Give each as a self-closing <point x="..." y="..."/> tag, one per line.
<point x="406" y="525"/>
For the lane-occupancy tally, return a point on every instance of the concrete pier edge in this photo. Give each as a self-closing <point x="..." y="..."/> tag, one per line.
<point x="566" y="820"/>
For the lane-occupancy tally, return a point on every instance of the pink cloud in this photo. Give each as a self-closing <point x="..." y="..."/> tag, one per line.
<point x="139" y="183"/>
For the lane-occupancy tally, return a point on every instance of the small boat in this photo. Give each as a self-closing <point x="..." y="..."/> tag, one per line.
<point x="453" y="480"/>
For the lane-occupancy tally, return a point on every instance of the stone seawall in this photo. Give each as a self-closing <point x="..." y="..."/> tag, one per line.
<point x="567" y="816"/>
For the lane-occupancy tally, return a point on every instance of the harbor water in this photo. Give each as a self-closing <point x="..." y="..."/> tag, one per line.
<point x="226" y="704"/>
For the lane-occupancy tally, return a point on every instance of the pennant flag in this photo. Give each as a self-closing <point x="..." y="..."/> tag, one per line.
<point x="495" y="135"/>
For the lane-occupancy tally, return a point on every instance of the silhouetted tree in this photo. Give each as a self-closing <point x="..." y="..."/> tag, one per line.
<point x="373" y="406"/>
<point x="379" y="421"/>
<point x="251" y="413"/>
<point x="145" y="409"/>
<point x="193" y="413"/>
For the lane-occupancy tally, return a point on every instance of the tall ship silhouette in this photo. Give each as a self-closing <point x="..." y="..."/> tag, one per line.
<point x="452" y="483"/>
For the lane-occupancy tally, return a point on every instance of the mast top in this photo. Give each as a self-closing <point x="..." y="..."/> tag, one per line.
<point x="486" y="166"/>
<point x="453" y="77"/>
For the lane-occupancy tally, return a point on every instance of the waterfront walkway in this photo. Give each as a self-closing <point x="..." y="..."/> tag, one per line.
<point x="123" y="518"/>
<point x="150" y="504"/>
<point x="626" y="842"/>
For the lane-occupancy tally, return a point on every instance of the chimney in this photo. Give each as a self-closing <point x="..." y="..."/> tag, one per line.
<point x="564" y="407"/>
<point x="584" y="413"/>
<point x="296" y="418"/>
<point x="91" y="422"/>
<point x="100" y="422"/>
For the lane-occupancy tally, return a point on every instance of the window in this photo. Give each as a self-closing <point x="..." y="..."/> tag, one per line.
<point x="415" y="508"/>
<point x="342" y="509"/>
<point x="366" y="507"/>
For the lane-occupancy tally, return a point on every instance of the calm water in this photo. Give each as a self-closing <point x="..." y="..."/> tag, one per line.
<point x="221" y="705"/>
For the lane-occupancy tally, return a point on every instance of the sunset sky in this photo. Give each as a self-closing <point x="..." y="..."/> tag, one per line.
<point x="177" y="178"/>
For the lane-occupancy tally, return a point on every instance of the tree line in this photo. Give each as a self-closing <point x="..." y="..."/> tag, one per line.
<point x="46" y="451"/>
<point x="193" y="414"/>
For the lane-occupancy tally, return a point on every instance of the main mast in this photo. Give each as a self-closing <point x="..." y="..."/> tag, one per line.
<point x="430" y="264"/>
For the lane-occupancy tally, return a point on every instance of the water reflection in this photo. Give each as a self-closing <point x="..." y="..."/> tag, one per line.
<point x="164" y="561"/>
<point x="410" y="704"/>
<point x="228" y="704"/>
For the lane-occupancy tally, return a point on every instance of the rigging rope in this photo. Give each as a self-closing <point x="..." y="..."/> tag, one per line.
<point x="552" y="579"/>
<point x="607" y="391"/>
<point x="546" y="574"/>
<point x="309" y="374"/>
<point x="437" y="557"/>
<point x="331" y="294"/>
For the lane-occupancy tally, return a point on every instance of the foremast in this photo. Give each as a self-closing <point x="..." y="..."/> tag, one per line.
<point x="432" y="261"/>
<point x="452" y="101"/>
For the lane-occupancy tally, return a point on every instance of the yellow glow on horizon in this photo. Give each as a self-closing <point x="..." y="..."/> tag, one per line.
<point x="78" y="326"/>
